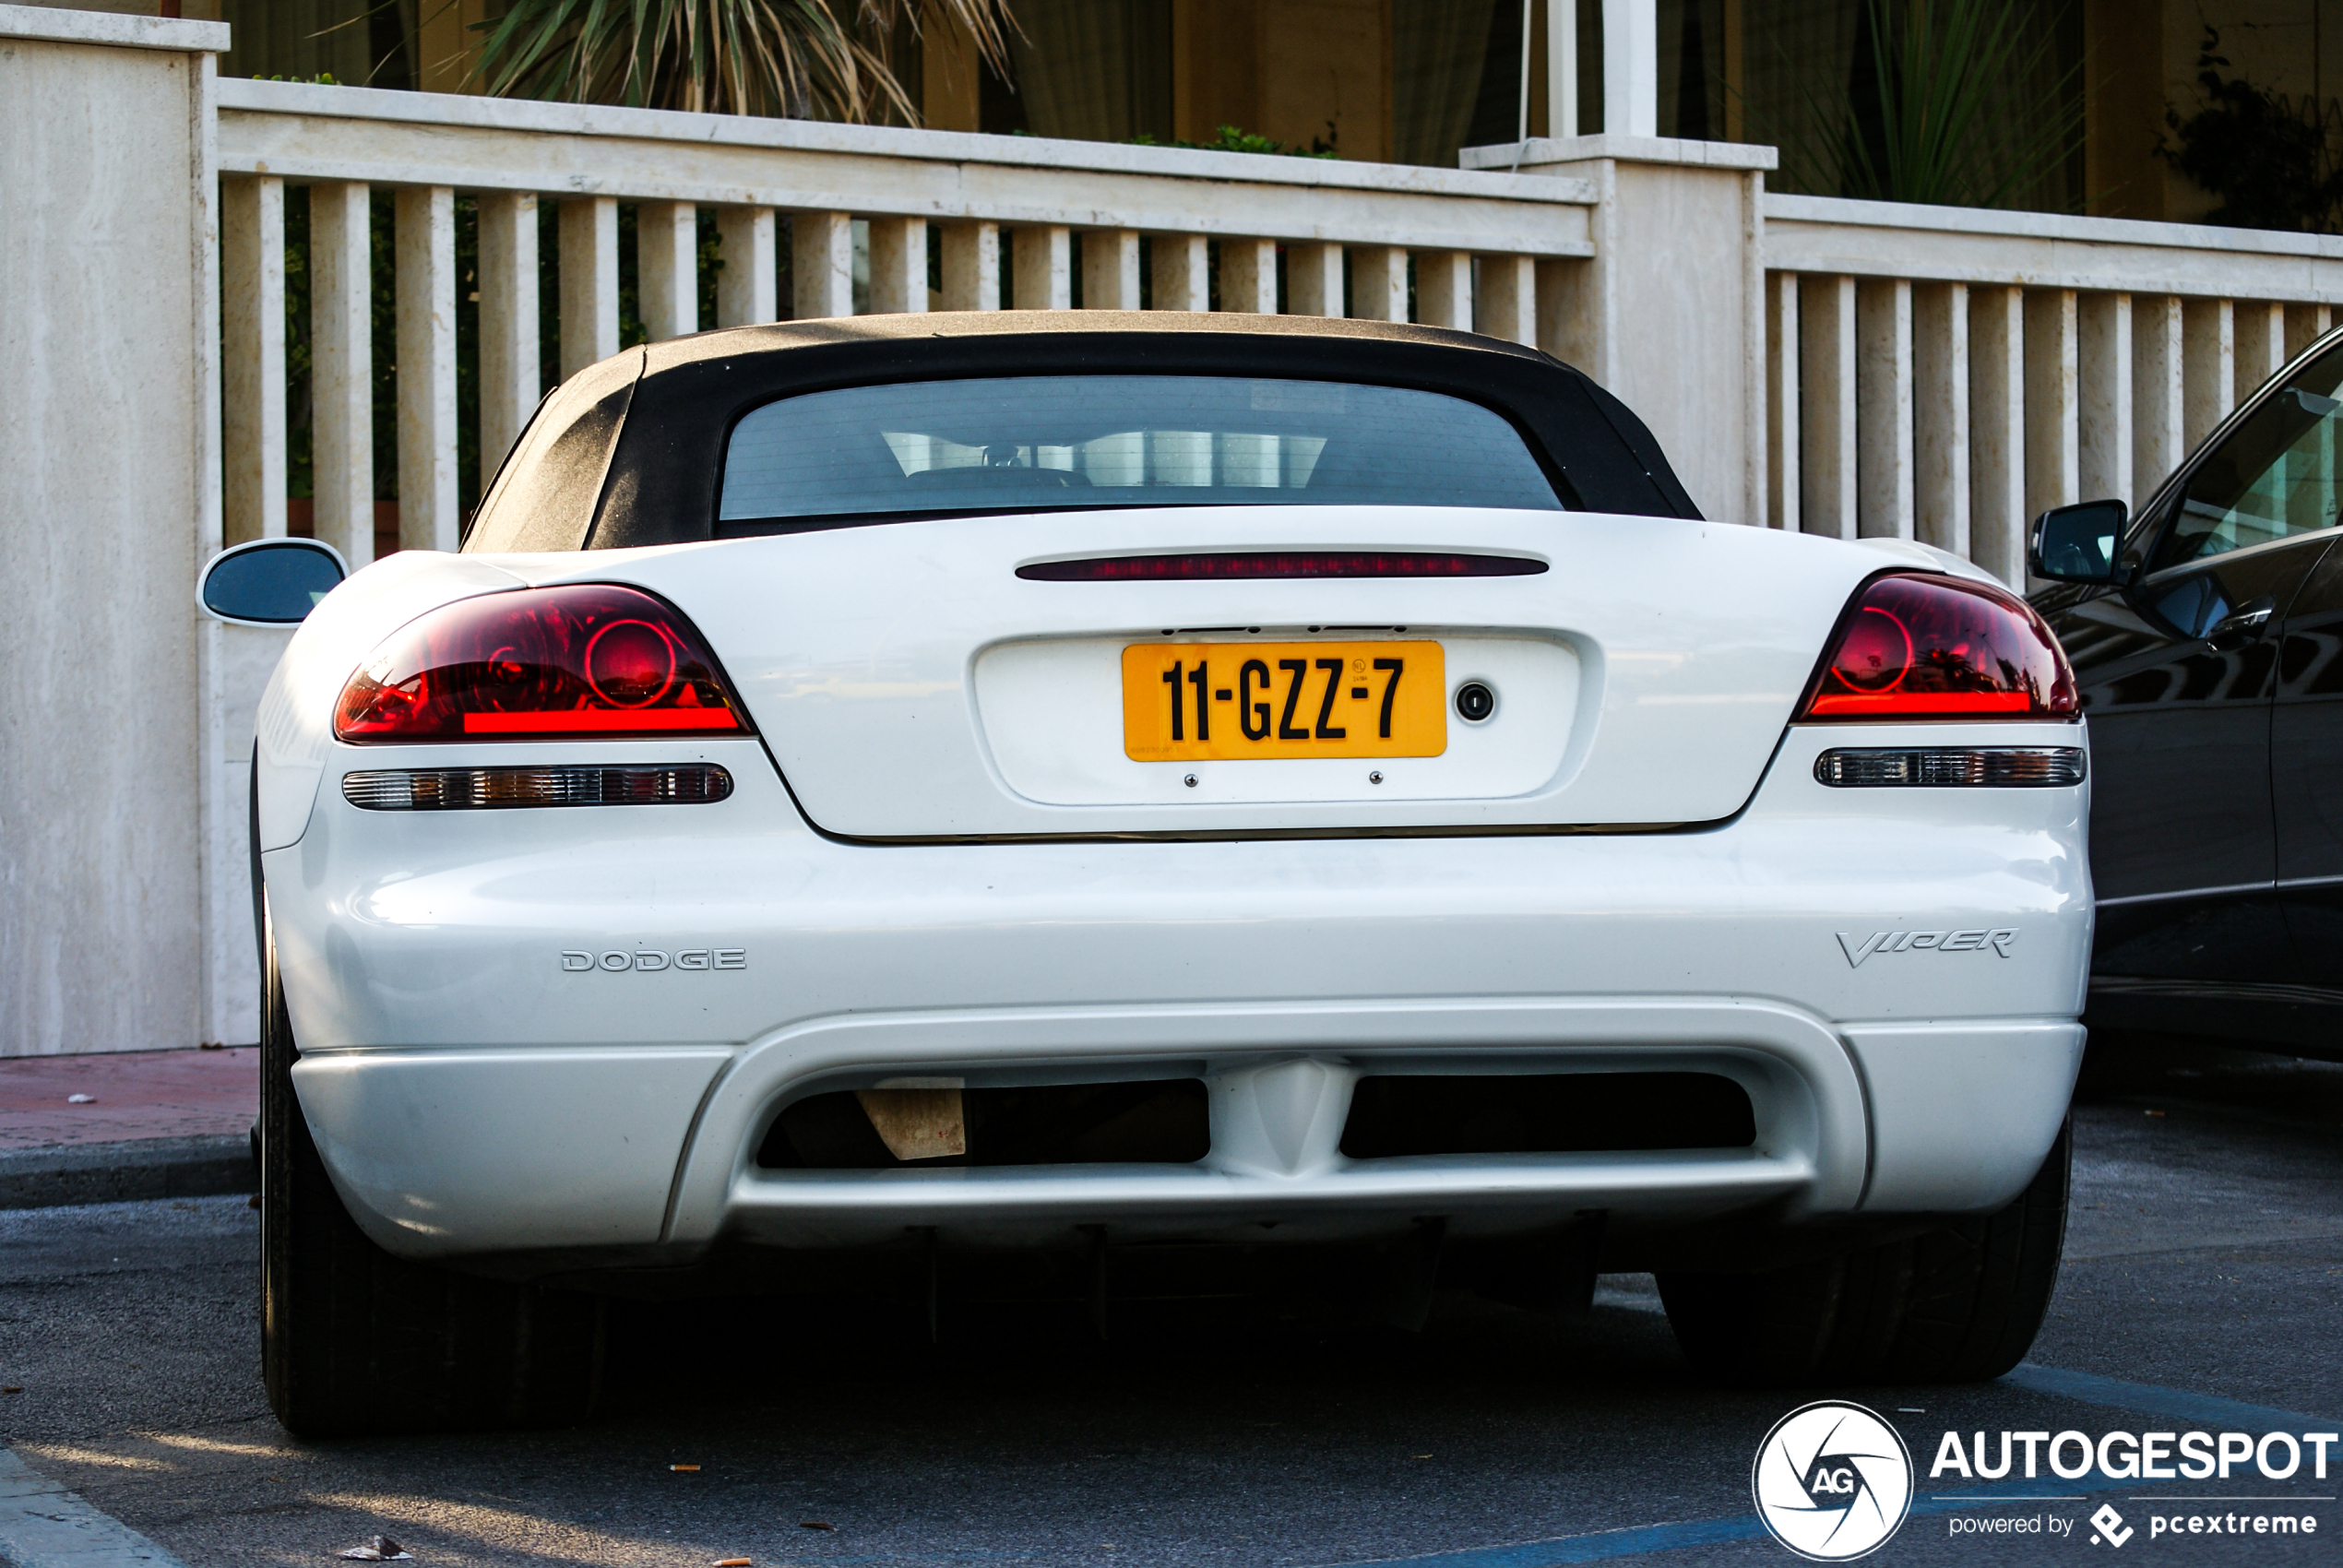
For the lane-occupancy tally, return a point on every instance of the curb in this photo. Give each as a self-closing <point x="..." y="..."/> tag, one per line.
<point x="105" y="1173"/>
<point x="43" y="1526"/>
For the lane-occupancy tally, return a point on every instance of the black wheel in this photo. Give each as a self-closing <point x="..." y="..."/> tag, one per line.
<point x="1959" y="1302"/>
<point x="354" y="1340"/>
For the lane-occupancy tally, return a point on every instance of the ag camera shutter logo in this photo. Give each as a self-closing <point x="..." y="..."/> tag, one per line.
<point x="1832" y="1481"/>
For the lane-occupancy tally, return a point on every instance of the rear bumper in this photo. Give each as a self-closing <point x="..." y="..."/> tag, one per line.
<point x="475" y="1097"/>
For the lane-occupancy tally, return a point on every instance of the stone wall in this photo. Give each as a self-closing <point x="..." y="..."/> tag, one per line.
<point x="108" y="418"/>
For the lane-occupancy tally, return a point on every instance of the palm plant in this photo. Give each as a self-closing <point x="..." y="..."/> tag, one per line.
<point x="1955" y="103"/>
<point x="798" y="59"/>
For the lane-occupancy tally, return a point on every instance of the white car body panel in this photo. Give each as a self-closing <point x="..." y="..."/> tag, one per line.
<point x="973" y="897"/>
<point x="858" y="652"/>
<point x="1051" y="714"/>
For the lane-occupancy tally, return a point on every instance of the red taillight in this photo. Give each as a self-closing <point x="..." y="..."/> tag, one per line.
<point x="1923" y="647"/>
<point x="560" y="663"/>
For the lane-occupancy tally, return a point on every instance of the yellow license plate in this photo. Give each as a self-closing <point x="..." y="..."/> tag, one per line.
<point x="1193" y="702"/>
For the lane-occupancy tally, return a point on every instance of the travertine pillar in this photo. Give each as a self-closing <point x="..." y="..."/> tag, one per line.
<point x="1110" y="270"/>
<point x="746" y="294"/>
<point x="430" y="509"/>
<point x="252" y="346"/>
<point x="1041" y="266"/>
<point x="1678" y="262"/>
<point x="125" y="916"/>
<point x="898" y="264"/>
<point x="1249" y="277"/>
<point x="667" y="267"/>
<point x="511" y="357"/>
<point x="971" y="266"/>
<point x="590" y="281"/>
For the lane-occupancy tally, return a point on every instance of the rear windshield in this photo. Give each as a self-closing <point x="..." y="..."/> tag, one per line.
<point x="1019" y="444"/>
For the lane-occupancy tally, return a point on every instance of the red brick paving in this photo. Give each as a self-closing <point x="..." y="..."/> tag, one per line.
<point x="135" y="1094"/>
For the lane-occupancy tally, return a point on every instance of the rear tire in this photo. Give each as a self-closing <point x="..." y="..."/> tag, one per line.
<point x="1960" y="1302"/>
<point x="355" y="1340"/>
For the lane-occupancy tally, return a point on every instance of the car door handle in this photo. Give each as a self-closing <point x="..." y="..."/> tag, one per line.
<point x="2245" y="627"/>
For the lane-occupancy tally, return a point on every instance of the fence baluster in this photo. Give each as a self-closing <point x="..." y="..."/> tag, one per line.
<point x="430" y="507"/>
<point x="822" y="265"/>
<point x="1444" y="290"/>
<point x="1884" y="420"/>
<point x="1782" y="423"/>
<point x="341" y="377"/>
<point x="511" y="356"/>
<point x="1249" y="277"/>
<point x="590" y="281"/>
<point x="747" y="292"/>
<point x="667" y="267"/>
<point x="2305" y="325"/>
<point x="2208" y="366"/>
<point x="2052" y="414"/>
<point x="898" y="264"/>
<point x="1997" y="430"/>
<point x="1110" y="270"/>
<point x="1379" y="283"/>
<point x="1314" y="280"/>
<point x="2159" y="432"/>
<point x="971" y="266"/>
<point x="1827" y="366"/>
<point x="1504" y="297"/>
<point x="1182" y="266"/>
<point x="1940" y="415"/>
<point x="1041" y="262"/>
<point x="2261" y="346"/>
<point x="2103" y="370"/>
<point x="251" y="344"/>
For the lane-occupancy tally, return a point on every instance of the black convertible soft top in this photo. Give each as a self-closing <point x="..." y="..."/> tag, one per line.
<point x="628" y="452"/>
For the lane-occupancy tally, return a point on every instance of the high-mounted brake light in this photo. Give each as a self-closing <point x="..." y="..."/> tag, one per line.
<point x="1236" y="565"/>
<point x="1918" y="646"/>
<point x="591" y="662"/>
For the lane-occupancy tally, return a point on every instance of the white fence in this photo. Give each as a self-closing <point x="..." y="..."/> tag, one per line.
<point x="1005" y="216"/>
<point x="1840" y="367"/>
<point x="1925" y="373"/>
<point x="1945" y="375"/>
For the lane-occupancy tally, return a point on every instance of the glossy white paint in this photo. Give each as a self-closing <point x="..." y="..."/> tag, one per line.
<point x="476" y="1097"/>
<point x="854" y="649"/>
<point x="1050" y="715"/>
<point x="1961" y="1112"/>
<point x="1280" y="1078"/>
<point x="296" y="713"/>
<point x="483" y="1150"/>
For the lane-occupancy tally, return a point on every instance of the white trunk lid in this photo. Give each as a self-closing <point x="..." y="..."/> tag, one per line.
<point x="911" y="685"/>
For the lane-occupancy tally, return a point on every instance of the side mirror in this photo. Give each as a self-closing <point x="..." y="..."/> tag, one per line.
<point x="2077" y="544"/>
<point x="269" y="582"/>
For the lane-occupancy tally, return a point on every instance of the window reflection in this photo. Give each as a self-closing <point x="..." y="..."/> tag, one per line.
<point x="2273" y="478"/>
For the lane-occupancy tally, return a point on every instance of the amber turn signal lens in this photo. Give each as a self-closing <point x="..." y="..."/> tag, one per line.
<point x="589" y="662"/>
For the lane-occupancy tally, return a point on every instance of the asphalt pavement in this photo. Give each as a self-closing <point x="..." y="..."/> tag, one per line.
<point x="2203" y="1290"/>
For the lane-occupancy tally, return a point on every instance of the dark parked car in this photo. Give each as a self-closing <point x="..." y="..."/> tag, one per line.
<point x="2207" y="635"/>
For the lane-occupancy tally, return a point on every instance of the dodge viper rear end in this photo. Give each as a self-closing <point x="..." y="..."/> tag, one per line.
<point x="1163" y="792"/>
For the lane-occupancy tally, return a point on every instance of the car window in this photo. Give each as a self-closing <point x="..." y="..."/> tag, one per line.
<point x="1019" y="443"/>
<point x="2273" y="477"/>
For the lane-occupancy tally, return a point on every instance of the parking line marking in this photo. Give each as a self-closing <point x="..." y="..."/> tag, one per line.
<point x="1631" y="1541"/>
<point x="1637" y="1539"/>
<point x="2090" y="1389"/>
<point x="43" y="1526"/>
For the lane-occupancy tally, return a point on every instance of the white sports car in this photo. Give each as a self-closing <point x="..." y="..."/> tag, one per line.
<point x="1147" y="798"/>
